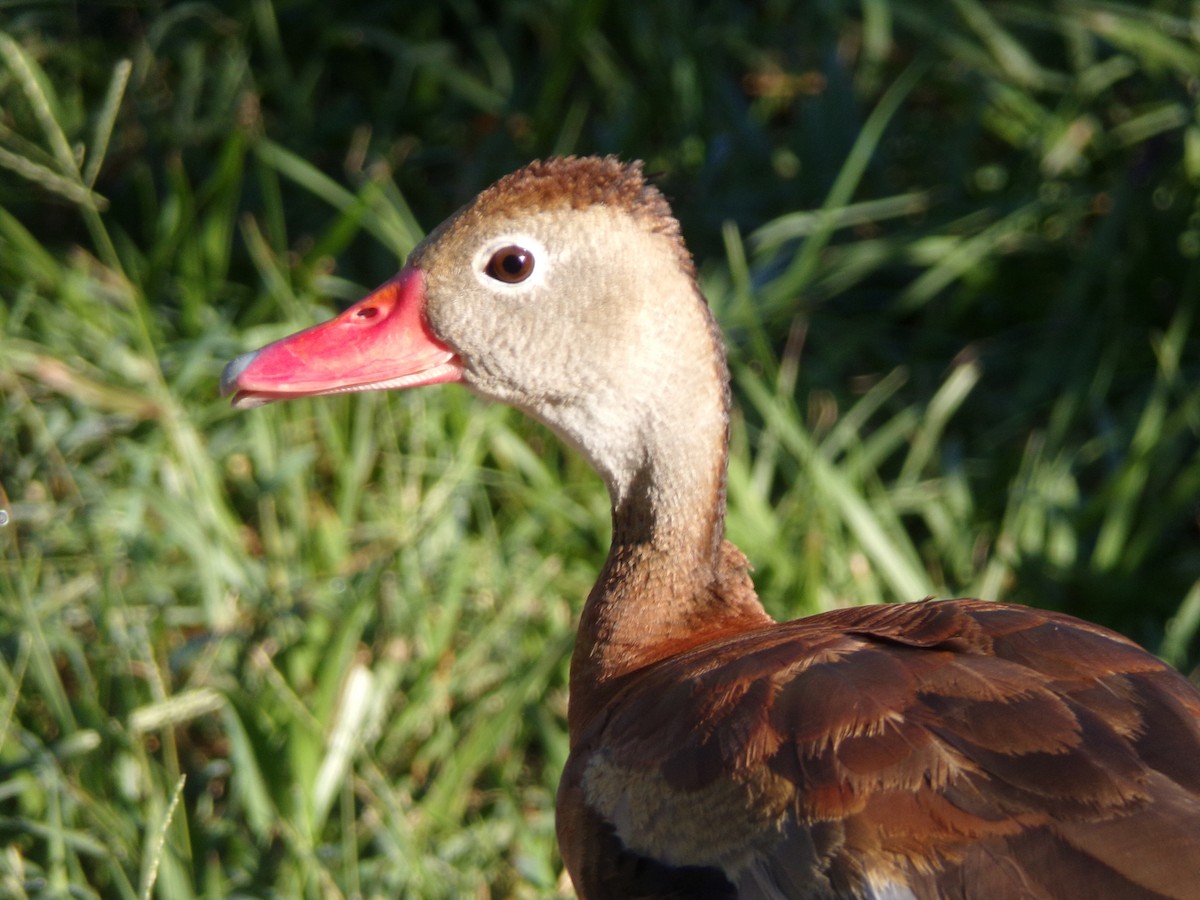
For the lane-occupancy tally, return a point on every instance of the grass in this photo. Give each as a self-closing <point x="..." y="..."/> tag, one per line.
<point x="319" y="650"/>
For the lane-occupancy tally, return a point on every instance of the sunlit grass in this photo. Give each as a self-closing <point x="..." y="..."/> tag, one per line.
<point x="320" y="649"/>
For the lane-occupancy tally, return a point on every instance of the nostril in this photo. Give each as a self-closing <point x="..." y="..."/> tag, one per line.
<point x="367" y="312"/>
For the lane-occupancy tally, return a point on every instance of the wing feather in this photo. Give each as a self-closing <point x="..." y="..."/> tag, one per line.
<point x="940" y="749"/>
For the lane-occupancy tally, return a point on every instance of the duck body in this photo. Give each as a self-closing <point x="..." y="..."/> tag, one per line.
<point x="940" y="749"/>
<point x="953" y="748"/>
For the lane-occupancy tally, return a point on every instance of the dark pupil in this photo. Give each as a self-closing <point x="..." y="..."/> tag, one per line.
<point x="513" y="263"/>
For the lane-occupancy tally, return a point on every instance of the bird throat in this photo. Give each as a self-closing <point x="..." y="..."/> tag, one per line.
<point x="671" y="581"/>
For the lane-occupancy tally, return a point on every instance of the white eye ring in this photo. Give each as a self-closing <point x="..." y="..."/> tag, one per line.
<point x="537" y="256"/>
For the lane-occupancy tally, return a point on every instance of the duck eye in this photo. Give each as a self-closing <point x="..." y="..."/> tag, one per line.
<point x="511" y="264"/>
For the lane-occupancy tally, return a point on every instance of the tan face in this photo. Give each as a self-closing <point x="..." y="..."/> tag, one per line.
<point x="544" y="310"/>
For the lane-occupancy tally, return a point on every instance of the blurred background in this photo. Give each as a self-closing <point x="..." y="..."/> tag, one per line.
<point x="320" y="649"/>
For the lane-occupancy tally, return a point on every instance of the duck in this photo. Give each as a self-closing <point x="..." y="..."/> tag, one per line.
<point x="930" y="749"/>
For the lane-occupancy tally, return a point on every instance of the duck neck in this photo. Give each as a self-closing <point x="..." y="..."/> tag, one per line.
<point x="671" y="581"/>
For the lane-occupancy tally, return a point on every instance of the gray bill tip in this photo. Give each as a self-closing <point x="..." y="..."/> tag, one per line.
<point x="231" y="372"/>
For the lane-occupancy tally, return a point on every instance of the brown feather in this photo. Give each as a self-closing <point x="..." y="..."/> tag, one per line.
<point x="931" y="737"/>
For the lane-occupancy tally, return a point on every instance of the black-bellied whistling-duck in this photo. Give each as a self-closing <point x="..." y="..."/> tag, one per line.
<point x="925" y="750"/>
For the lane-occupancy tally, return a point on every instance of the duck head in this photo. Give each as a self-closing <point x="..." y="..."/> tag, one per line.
<point x="564" y="289"/>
